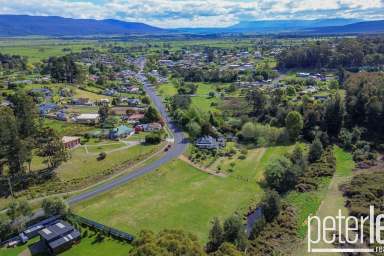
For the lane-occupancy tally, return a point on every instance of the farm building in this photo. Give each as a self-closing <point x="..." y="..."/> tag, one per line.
<point x="70" y="142"/>
<point x="59" y="237"/>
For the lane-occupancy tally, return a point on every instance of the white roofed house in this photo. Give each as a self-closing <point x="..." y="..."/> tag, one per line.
<point x="88" y="118"/>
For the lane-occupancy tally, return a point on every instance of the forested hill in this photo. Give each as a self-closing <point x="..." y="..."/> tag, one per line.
<point x="24" y="25"/>
<point x="360" y="27"/>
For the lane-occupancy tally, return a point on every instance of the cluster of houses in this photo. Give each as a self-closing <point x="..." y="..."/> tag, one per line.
<point x="316" y="76"/>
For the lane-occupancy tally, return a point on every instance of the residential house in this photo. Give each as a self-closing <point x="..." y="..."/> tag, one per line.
<point x="46" y="108"/>
<point x="122" y="131"/>
<point x="71" y="142"/>
<point x="59" y="237"/>
<point x="206" y="142"/>
<point x="88" y="118"/>
<point x="61" y="115"/>
<point x="135" y="118"/>
<point x="82" y="101"/>
<point x="45" y="92"/>
<point x="152" y="127"/>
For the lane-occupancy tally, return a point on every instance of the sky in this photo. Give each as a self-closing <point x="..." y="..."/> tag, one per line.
<point x="197" y="13"/>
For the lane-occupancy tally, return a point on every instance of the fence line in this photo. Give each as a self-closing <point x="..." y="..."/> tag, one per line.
<point x="101" y="227"/>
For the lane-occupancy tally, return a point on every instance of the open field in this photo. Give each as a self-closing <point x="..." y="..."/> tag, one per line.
<point x="83" y="165"/>
<point x="40" y="49"/>
<point x="64" y="128"/>
<point x="177" y="196"/>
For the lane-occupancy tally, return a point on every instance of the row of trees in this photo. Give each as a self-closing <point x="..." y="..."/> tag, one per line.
<point x="65" y="69"/>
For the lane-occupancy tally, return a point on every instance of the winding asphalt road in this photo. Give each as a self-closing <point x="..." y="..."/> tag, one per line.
<point x="179" y="146"/>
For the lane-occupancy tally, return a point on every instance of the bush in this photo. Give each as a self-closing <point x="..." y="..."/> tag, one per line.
<point x="315" y="151"/>
<point x="55" y="206"/>
<point x="153" y="138"/>
<point x="101" y="156"/>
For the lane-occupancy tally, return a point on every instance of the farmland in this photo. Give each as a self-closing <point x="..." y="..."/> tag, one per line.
<point x="179" y="196"/>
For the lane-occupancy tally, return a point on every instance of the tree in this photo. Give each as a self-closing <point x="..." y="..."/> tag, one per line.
<point x="51" y="147"/>
<point x="257" y="99"/>
<point x="234" y="232"/>
<point x="216" y="236"/>
<point x="315" y="151"/>
<point x="271" y="205"/>
<point x="153" y="138"/>
<point x="26" y="114"/>
<point x="146" y="100"/>
<point x="297" y="157"/>
<point x="18" y="212"/>
<point x="248" y="131"/>
<point x="54" y="206"/>
<point x="334" y="115"/>
<point x="151" y="115"/>
<point x="9" y="141"/>
<point x="194" y="129"/>
<point x="257" y="228"/>
<point x="5" y="227"/>
<point x="280" y="175"/>
<point x="294" y="123"/>
<point x="103" y="112"/>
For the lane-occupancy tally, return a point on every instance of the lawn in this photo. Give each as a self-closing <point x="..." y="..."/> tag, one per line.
<point x="90" y="95"/>
<point x="344" y="162"/>
<point x="167" y="90"/>
<point x="87" y="246"/>
<point x="65" y="128"/>
<point x="82" y="165"/>
<point x="40" y="49"/>
<point x="175" y="196"/>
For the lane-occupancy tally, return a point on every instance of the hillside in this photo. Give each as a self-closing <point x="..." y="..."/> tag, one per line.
<point x="360" y="27"/>
<point x="24" y="25"/>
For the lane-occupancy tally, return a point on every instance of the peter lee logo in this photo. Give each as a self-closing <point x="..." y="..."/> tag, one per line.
<point x="345" y="231"/>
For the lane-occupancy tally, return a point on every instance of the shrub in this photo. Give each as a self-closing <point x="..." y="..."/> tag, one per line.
<point x="153" y="138"/>
<point x="101" y="156"/>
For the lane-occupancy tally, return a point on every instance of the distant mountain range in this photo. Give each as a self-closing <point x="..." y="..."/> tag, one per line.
<point x="360" y="27"/>
<point x="24" y="25"/>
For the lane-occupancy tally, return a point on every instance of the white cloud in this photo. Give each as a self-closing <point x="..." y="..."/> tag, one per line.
<point x="202" y="13"/>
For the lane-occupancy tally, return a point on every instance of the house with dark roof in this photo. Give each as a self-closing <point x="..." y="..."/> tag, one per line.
<point x="206" y="142"/>
<point x="45" y="108"/>
<point x="59" y="237"/>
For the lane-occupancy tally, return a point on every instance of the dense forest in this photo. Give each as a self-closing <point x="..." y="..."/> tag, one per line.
<point x="8" y="62"/>
<point x="348" y="53"/>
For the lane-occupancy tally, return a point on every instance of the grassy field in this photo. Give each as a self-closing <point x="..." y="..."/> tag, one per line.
<point x="82" y="165"/>
<point x="177" y="196"/>
<point x="325" y="202"/>
<point x="64" y="128"/>
<point x="39" y="49"/>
